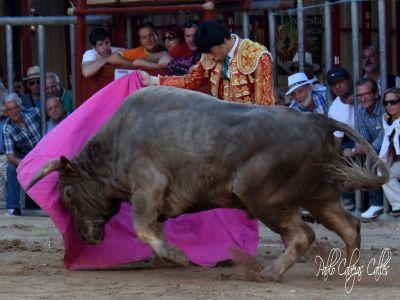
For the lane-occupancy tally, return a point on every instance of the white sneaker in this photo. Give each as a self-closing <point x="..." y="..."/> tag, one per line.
<point x="372" y="212"/>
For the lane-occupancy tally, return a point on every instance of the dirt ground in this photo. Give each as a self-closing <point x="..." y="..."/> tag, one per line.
<point x="31" y="267"/>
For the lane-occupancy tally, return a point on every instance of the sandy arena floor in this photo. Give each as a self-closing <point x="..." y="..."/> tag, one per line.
<point x="31" y="267"/>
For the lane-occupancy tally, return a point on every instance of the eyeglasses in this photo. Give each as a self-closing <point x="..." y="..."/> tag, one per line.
<point x="33" y="82"/>
<point x="390" y="102"/>
<point x="169" y="37"/>
<point x="360" y="96"/>
<point x="190" y="24"/>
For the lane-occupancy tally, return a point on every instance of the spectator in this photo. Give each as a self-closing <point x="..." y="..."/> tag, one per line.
<point x="304" y="98"/>
<point x="148" y="43"/>
<point x="370" y="62"/>
<point x="21" y="133"/>
<point x="390" y="151"/>
<point x="53" y="89"/>
<point x="3" y="156"/>
<point x="342" y="110"/>
<point x="18" y="87"/>
<point x="238" y="70"/>
<point x="174" y="42"/>
<point x="369" y="124"/>
<point x="32" y="82"/>
<point x="94" y="59"/>
<point x="55" y="111"/>
<point x="182" y="65"/>
<point x="309" y="69"/>
<point x="342" y="107"/>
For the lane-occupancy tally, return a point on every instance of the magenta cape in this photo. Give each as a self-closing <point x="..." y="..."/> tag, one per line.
<point x="205" y="237"/>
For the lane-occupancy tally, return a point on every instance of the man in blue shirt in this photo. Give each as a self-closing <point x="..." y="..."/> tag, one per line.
<point x="369" y="111"/>
<point x="21" y="133"/>
<point x="32" y="82"/>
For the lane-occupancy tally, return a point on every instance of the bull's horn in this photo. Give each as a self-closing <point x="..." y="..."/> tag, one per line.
<point x="51" y="166"/>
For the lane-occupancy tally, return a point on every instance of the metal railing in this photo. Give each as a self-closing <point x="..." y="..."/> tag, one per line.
<point x="9" y="22"/>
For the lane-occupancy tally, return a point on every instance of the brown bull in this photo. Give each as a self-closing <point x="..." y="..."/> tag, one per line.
<point x="172" y="151"/>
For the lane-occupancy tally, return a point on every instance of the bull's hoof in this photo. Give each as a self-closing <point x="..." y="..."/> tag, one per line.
<point x="269" y="275"/>
<point x="177" y="256"/>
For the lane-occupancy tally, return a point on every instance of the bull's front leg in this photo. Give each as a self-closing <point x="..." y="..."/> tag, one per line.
<point x="147" y="203"/>
<point x="298" y="236"/>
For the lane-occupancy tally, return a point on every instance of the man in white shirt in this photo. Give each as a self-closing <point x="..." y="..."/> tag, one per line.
<point x="94" y="59"/>
<point x="342" y="110"/>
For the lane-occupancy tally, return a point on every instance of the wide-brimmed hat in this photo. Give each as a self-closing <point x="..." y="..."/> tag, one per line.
<point x="307" y="59"/>
<point x="295" y="81"/>
<point x="32" y="72"/>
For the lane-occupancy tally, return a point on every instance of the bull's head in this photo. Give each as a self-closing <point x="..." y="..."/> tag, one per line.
<point x="83" y="197"/>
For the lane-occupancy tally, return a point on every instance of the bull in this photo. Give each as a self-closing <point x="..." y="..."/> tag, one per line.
<point x="171" y="151"/>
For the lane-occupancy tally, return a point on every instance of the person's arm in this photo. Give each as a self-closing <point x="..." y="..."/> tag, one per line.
<point x="9" y="147"/>
<point x="145" y="63"/>
<point x="164" y="60"/>
<point x="13" y="159"/>
<point x="264" y="82"/>
<point x="117" y="60"/>
<point x="193" y="80"/>
<point x="377" y="141"/>
<point x="90" y="68"/>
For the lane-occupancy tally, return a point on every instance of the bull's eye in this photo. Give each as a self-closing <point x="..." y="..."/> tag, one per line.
<point x="68" y="192"/>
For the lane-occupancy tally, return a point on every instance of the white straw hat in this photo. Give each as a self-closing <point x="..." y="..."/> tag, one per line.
<point x="295" y="81"/>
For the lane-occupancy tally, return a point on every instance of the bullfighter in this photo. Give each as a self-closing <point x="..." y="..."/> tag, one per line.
<point x="239" y="70"/>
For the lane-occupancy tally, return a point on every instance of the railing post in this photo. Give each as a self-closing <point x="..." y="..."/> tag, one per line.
<point x="355" y="40"/>
<point x="73" y="69"/>
<point x="41" y="41"/>
<point x="10" y="58"/>
<point x="272" y="48"/>
<point x="328" y="45"/>
<point x="300" y="34"/>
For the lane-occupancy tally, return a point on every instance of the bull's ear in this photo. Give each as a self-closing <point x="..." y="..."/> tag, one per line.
<point x="68" y="165"/>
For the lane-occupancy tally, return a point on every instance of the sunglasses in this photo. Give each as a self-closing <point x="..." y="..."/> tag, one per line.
<point x="33" y="82"/>
<point x="169" y="37"/>
<point x="390" y="102"/>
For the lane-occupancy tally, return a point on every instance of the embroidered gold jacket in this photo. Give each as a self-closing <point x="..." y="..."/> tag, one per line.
<point x="251" y="76"/>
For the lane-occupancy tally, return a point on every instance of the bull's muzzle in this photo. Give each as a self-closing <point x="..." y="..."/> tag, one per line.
<point x="92" y="233"/>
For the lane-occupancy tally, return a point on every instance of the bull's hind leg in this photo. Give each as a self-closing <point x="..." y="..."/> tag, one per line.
<point x="334" y="216"/>
<point x="147" y="203"/>
<point x="299" y="236"/>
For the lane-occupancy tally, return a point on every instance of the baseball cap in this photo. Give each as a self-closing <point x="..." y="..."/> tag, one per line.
<point x="336" y="74"/>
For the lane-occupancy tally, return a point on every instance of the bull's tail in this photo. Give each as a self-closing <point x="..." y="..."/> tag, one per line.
<point x="356" y="174"/>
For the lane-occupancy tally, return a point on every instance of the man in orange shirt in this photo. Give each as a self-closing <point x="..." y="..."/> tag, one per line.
<point x="148" y="43"/>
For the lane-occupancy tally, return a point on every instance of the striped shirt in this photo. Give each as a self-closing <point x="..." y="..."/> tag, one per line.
<point x="20" y="140"/>
<point x="320" y="105"/>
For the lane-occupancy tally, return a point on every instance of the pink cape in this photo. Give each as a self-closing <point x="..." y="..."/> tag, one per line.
<point x="206" y="237"/>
